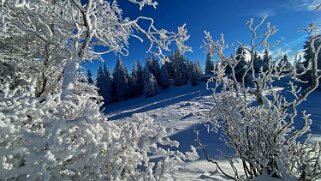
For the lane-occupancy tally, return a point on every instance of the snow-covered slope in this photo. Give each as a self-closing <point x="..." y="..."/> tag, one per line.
<point x="182" y="111"/>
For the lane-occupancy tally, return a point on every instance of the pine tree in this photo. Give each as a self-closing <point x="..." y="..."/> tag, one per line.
<point x="284" y="65"/>
<point x="308" y="55"/>
<point x="194" y="76"/>
<point x="308" y="52"/>
<point x="104" y="84"/>
<point x="140" y="80"/>
<point x="164" y="80"/>
<point x="228" y="69"/>
<point x="90" y="77"/>
<point x="108" y="87"/>
<point x="99" y="80"/>
<point x="240" y="68"/>
<point x="198" y="68"/>
<point x="154" y="67"/>
<point x="189" y="69"/>
<point x="120" y="81"/>
<point x="265" y="61"/>
<point x="150" y="85"/>
<point x="129" y="91"/>
<point x="258" y="63"/>
<point x="170" y="66"/>
<point x="179" y="65"/>
<point x="299" y="65"/>
<point x="178" y="79"/>
<point x="209" y="66"/>
<point x="132" y="81"/>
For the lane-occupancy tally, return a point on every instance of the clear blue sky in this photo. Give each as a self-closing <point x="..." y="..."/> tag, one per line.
<point x="220" y="16"/>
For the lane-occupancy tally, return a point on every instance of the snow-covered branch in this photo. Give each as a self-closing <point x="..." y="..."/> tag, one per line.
<point x="257" y="120"/>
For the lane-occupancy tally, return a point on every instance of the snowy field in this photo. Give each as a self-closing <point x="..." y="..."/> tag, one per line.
<point x="182" y="111"/>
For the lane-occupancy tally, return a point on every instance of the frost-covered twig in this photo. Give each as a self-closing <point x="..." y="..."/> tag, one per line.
<point x="257" y="120"/>
<point x="204" y="149"/>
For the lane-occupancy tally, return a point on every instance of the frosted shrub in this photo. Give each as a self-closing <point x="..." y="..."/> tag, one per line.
<point x="50" y="139"/>
<point x="258" y="122"/>
<point x="50" y="124"/>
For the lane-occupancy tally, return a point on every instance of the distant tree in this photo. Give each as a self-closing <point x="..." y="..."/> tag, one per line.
<point x="164" y="78"/>
<point x="170" y="68"/>
<point x="264" y="62"/>
<point x="132" y="81"/>
<point x="150" y="84"/>
<point x="285" y="65"/>
<point x="308" y="53"/>
<point x="241" y="66"/>
<point x="189" y="69"/>
<point x="154" y="67"/>
<point x="100" y="80"/>
<point x="90" y="77"/>
<point x="179" y="79"/>
<point x="194" y="76"/>
<point x="139" y="80"/>
<point x="257" y="63"/>
<point x="228" y="69"/>
<point x="198" y="68"/>
<point x="209" y="66"/>
<point x="308" y="56"/>
<point x="120" y="81"/>
<point x="108" y="87"/>
<point x="104" y="84"/>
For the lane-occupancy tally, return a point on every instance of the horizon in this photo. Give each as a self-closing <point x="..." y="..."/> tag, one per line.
<point x="227" y="17"/>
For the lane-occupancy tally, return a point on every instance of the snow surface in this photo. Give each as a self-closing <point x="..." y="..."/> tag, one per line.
<point x="182" y="110"/>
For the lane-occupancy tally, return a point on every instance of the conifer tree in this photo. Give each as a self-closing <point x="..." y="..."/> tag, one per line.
<point x="120" y="81"/>
<point x="258" y="63"/>
<point x="139" y="81"/>
<point x="194" y="76"/>
<point x="90" y="77"/>
<point x="104" y="84"/>
<point x="308" y="55"/>
<point x="179" y="64"/>
<point x="265" y="61"/>
<point x="240" y="68"/>
<point x="100" y="80"/>
<point x="198" y="68"/>
<point x="209" y="66"/>
<point x="150" y="85"/>
<point x="189" y="69"/>
<point x="155" y="68"/>
<point x="170" y="66"/>
<point x="164" y="80"/>
<point x="284" y="65"/>
<point x="108" y="87"/>
<point x="132" y="81"/>
<point x="179" y="79"/>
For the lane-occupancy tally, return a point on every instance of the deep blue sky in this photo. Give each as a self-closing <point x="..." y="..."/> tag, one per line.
<point x="220" y="16"/>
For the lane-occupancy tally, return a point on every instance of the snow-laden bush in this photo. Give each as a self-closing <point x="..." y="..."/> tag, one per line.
<point x="50" y="124"/>
<point x="46" y="138"/>
<point x="259" y="122"/>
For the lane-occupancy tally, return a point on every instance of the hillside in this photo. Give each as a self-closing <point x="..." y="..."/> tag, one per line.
<point x="182" y="110"/>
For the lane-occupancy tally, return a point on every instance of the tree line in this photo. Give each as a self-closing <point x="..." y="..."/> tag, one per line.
<point x="145" y="80"/>
<point x="149" y="79"/>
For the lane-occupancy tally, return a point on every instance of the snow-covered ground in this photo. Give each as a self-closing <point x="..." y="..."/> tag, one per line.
<point x="182" y="111"/>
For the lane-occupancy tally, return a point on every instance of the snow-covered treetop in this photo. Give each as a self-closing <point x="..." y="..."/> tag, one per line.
<point x="65" y="33"/>
<point x="80" y="26"/>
